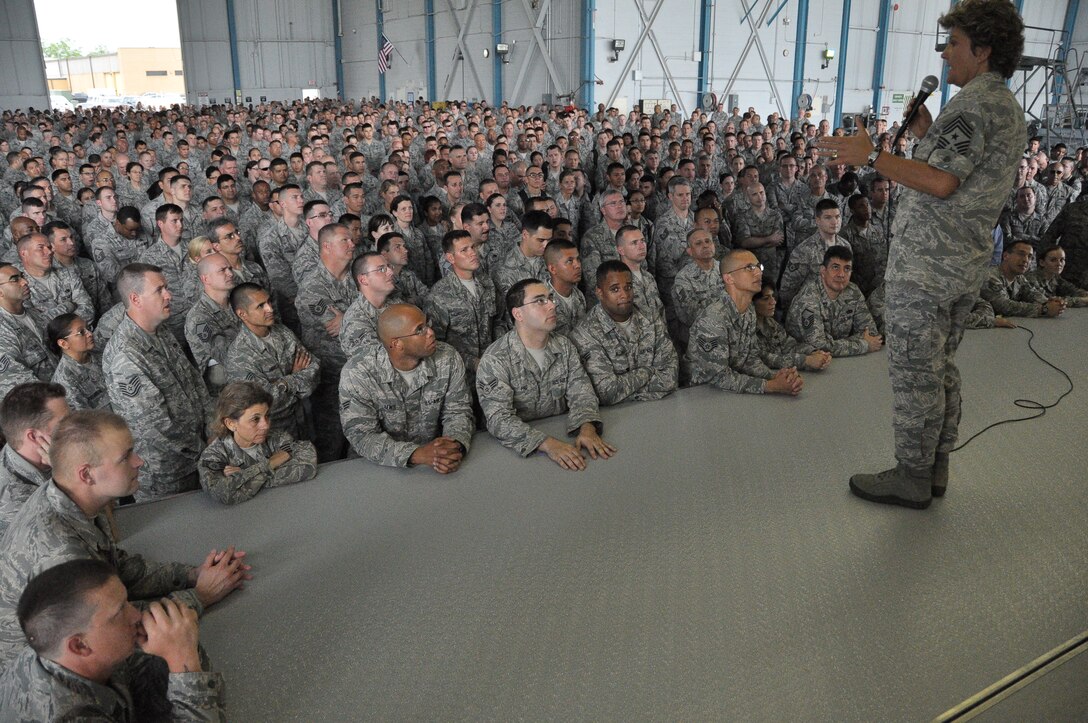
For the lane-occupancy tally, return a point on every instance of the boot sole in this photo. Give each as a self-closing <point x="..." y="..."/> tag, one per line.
<point x="890" y="499"/>
<point x="938" y="491"/>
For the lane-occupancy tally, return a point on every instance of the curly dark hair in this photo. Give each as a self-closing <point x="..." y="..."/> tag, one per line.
<point x="994" y="24"/>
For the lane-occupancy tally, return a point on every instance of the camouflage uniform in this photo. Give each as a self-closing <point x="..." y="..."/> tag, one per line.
<point x="386" y="417"/>
<point x="256" y="474"/>
<point x="278" y="244"/>
<point x="516" y="267"/>
<point x="51" y="529"/>
<point x="834" y="325"/>
<point x="112" y="252"/>
<point x="598" y="245"/>
<point x="500" y="241"/>
<point x="463" y="320"/>
<point x="1018" y="227"/>
<point x="269" y="362"/>
<point x="35" y="688"/>
<point x="750" y="224"/>
<point x="1057" y="198"/>
<point x="421" y="261"/>
<point x="210" y="329"/>
<point x="94" y="283"/>
<point x="23" y="354"/>
<point x="672" y="243"/>
<point x="635" y="361"/>
<point x="569" y="310"/>
<point x="1073" y="295"/>
<point x="107" y="324"/>
<point x="513" y="390"/>
<point x="179" y="280"/>
<point x="85" y="383"/>
<point x="981" y="316"/>
<point x="359" y="329"/>
<point x="18" y="480"/>
<point x="1018" y="297"/>
<point x="307" y="258"/>
<point x="777" y="348"/>
<point x="1070" y="230"/>
<point x="870" y="256"/>
<point x="164" y="400"/>
<point x="940" y="258"/>
<point x="803" y="264"/>
<point x="59" y="292"/>
<point x="410" y="289"/>
<point x="694" y="290"/>
<point x="318" y="295"/>
<point x="723" y="350"/>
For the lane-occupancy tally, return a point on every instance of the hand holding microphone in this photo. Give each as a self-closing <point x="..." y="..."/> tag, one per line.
<point x="917" y="117"/>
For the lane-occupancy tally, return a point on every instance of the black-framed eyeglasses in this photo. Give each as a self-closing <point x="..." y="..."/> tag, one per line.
<point x="14" y="279"/>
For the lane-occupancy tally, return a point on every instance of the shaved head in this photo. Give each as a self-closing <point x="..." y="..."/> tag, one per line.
<point x="209" y="263"/>
<point x="398" y="320"/>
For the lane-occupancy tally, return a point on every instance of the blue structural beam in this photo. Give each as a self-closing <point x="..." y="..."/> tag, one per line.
<point x="881" y="53"/>
<point x="944" y="71"/>
<point x="1067" y="37"/>
<point x="338" y="49"/>
<point x="496" y="38"/>
<point x="381" y="42"/>
<point x="799" y="52"/>
<point x="232" y="41"/>
<point x="840" y="80"/>
<point x="705" y="20"/>
<point x="1020" y="7"/>
<point x="432" y="73"/>
<point x="588" y="61"/>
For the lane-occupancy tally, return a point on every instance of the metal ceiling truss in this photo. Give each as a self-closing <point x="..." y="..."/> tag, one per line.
<point x="647" y="33"/>
<point x="461" y="53"/>
<point x="753" y="40"/>
<point x="538" y="37"/>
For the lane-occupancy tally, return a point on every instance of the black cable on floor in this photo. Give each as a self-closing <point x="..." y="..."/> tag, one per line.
<point x="1038" y="407"/>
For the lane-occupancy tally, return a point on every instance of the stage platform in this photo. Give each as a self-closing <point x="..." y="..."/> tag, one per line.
<point x="716" y="569"/>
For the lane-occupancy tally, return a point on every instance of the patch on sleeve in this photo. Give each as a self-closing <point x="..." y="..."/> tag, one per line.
<point x="957" y="136"/>
<point x="808" y="318"/>
<point x="131" y="387"/>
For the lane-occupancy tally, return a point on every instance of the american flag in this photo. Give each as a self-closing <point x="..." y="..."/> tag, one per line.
<point x="384" y="55"/>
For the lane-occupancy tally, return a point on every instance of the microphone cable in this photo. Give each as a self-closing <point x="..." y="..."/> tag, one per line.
<point x="1039" y="408"/>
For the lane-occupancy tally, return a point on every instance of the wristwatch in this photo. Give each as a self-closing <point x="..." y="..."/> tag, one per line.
<point x="875" y="154"/>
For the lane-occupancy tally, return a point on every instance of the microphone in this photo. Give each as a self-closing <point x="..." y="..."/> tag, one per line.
<point x="929" y="84"/>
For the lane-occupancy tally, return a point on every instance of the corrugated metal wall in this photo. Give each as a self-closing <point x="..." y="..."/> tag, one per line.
<point x="22" y="70"/>
<point x="285" y="47"/>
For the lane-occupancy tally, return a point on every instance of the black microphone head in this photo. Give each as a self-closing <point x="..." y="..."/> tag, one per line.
<point x="929" y="83"/>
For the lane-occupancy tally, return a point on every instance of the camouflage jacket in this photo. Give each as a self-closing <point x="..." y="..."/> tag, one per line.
<point x="85" y="383"/>
<point x="834" y="325"/>
<point x="723" y="350"/>
<point x="386" y="417"/>
<point x="35" y="688"/>
<point x="256" y="474"/>
<point x="636" y="362"/>
<point x="163" y="398"/>
<point x="514" y="390"/>
<point x="23" y="354"/>
<point x="269" y="362"/>
<point x="464" y="321"/>
<point x="51" y="529"/>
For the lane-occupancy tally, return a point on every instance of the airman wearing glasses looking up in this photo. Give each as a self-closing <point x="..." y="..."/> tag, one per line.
<point x="530" y="373"/>
<point x="723" y="349"/>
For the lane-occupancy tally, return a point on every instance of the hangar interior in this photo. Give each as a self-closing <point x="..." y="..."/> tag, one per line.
<point x="850" y="57"/>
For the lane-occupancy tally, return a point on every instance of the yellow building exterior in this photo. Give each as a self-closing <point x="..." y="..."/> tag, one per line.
<point x="129" y="71"/>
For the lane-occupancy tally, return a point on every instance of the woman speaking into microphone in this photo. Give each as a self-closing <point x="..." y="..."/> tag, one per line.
<point x="954" y="188"/>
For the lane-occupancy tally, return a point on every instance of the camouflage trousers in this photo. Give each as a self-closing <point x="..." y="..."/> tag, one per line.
<point x="923" y="333"/>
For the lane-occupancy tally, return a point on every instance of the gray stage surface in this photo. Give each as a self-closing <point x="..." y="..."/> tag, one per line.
<point x="717" y="568"/>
